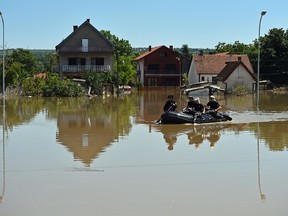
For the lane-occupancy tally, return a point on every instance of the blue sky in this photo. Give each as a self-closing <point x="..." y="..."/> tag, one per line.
<point x="42" y="24"/>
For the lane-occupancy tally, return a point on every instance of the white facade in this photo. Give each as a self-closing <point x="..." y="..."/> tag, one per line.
<point x="239" y="77"/>
<point x="140" y="68"/>
<point x="194" y="77"/>
<point x="192" y="74"/>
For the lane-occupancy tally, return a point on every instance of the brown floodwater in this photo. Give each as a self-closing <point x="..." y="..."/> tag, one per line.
<point x="105" y="156"/>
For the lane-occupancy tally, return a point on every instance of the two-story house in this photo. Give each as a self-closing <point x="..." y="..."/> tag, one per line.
<point x="160" y="66"/>
<point x="84" y="50"/>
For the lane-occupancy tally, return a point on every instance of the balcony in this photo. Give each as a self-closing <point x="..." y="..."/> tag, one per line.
<point x="85" y="68"/>
<point x="162" y="72"/>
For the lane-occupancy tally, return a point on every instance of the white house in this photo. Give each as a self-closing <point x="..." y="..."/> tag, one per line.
<point x="206" y="67"/>
<point x="236" y="73"/>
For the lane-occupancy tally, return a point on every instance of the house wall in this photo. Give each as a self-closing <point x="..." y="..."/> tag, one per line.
<point x="108" y="59"/>
<point x="238" y="77"/>
<point x="192" y="74"/>
<point x="140" y="68"/>
<point x="207" y="78"/>
<point x="95" y="42"/>
<point x="162" y="76"/>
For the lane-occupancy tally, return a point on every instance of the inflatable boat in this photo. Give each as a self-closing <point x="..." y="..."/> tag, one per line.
<point x="197" y="118"/>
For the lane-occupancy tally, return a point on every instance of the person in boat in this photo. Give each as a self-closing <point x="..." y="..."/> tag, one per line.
<point x="198" y="106"/>
<point x="170" y="104"/>
<point x="213" y="107"/>
<point x="189" y="108"/>
<point x="213" y="104"/>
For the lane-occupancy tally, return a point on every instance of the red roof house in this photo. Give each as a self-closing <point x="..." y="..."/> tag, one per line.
<point x="159" y="66"/>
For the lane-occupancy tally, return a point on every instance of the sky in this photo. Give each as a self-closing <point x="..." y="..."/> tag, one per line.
<point x="43" y="24"/>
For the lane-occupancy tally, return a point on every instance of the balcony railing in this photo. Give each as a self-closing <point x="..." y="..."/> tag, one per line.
<point x="161" y="72"/>
<point x="85" y="68"/>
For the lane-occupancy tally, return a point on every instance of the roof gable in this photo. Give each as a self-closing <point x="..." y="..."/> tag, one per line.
<point x="79" y="29"/>
<point x="153" y="50"/>
<point x="214" y="64"/>
<point x="230" y="68"/>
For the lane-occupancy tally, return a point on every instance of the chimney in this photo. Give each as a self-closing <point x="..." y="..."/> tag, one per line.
<point x="149" y="48"/>
<point x="171" y="47"/>
<point x="88" y="20"/>
<point x="239" y="58"/>
<point x="75" y="27"/>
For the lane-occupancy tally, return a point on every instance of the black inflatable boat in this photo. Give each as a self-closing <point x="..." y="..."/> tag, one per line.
<point x="197" y="118"/>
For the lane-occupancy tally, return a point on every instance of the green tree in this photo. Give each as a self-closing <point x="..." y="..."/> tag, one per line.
<point x="19" y="65"/>
<point x="49" y="60"/>
<point x="96" y="81"/>
<point x="122" y="46"/>
<point x="185" y="51"/>
<point x="15" y="74"/>
<point x="123" y="59"/>
<point x="274" y="56"/>
<point x="126" y="70"/>
<point x="26" y="58"/>
<point x="236" y="48"/>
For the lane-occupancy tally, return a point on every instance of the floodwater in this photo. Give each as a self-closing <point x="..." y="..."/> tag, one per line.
<point x="105" y="156"/>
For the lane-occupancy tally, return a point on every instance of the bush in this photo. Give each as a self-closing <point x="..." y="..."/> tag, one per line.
<point x="52" y="86"/>
<point x="240" y="90"/>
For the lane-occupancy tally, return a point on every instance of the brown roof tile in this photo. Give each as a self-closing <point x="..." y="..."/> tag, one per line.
<point x="213" y="64"/>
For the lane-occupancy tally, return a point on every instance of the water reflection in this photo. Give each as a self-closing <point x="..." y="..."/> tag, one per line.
<point x="197" y="134"/>
<point x="274" y="134"/>
<point x="262" y="196"/>
<point x="3" y="151"/>
<point x="92" y="126"/>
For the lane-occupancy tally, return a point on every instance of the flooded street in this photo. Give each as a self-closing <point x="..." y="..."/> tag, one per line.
<point x="105" y="156"/>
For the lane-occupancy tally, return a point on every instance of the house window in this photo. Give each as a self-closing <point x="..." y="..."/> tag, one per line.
<point x="162" y="54"/>
<point x="202" y="78"/>
<point x="76" y="61"/>
<point x="153" y="66"/>
<point x="170" y="67"/>
<point x="84" y="45"/>
<point x="72" y="61"/>
<point x="82" y="61"/>
<point x="214" y="80"/>
<point x="97" y="61"/>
